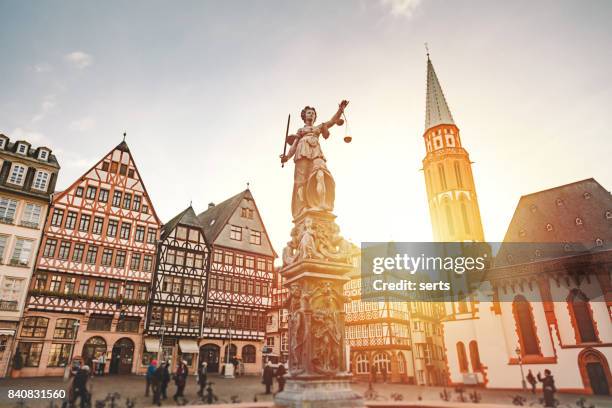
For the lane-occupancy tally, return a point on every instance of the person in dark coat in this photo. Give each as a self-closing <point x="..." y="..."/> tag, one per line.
<point x="280" y="377"/>
<point x="532" y="381"/>
<point x="202" y="378"/>
<point x="268" y="377"/>
<point x="165" y="379"/>
<point x="548" y="387"/>
<point x="156" y="379"/>
<point x="79" y="386"/>
<point x="180" y="379"/>
<point x="150" y="371"/>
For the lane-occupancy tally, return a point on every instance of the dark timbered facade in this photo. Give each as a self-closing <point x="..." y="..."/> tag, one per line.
<point x="90" y="287"/>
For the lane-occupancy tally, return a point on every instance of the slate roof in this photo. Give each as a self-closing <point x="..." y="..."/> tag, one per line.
<point x="436" y="108"/>
<point x="214" y="218"/>
<point x="577" y="216"/>
<point x="185" y="217"/>
<point x="11" y="147"/>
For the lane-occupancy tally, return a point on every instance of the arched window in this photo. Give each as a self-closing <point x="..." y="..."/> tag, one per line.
<point x="458" y="174"/>
<point x="248" y="354"/>
<point x="449" y="220"/>
<point x="442" y="177"/>
<point x="525" y="325"/>
<point x="93" y="349"/>
<point x="462" y="358"/>
<point x="401" y="363"/>
<point x="233" y="352"/>
<point x="466" y="221"/>
<point x="582" y="317"/>
<point x="362" y="364"/>
<point x="382" y="360"/>
<point x="462" y="304"/>
<point x="474" y="356"/>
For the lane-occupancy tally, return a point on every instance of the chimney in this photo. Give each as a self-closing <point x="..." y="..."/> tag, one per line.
<point x="211" y="205"/>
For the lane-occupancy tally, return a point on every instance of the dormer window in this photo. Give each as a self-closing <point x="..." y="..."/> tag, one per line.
<point x="22" y="148"/>
<point x="598" y="242"/>
<point x="549" y="227"/>
<point x="41" y="181"/>
<point x="43" y="154"/>
<point x="17" y="174"/>
<point x="578" y="221"/>
<point x="2" y="142"/>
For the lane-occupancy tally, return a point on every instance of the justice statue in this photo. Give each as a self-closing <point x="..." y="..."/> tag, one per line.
<point x="313" y="187"/>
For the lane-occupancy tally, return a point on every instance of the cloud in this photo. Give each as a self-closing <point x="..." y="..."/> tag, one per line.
<point x="42" y="67"/>
<point x="401" y="8"/>
<point x="33" y="137"/>
<point x="79" y="59"/>
<point x="49" y="102"/>
<point x="83" y="124"/>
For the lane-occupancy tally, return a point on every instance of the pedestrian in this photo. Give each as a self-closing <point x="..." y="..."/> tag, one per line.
<point x="532" y="381"/>
<point x="280" y="377"/>
<point x="165" y="379"/>
<point x="383" y="371"/>
<point x="268" y="377"/>
<point x="374" y="371"/>
<point x="235" y="363"/>
<point x="202" y="378"/>
<point x="156" y="379"/>
<point x="180" y="379"/>
<point x="79" y="387"/>
<point x="101" y="364"/>
<point x="150" y="371"/>
<point x="548" y="387"/>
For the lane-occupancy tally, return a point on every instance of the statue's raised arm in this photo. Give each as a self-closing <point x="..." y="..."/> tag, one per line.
<point x="335" y="120"/>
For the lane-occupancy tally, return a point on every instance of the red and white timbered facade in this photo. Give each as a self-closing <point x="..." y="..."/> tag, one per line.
<point x="94" y="269"/>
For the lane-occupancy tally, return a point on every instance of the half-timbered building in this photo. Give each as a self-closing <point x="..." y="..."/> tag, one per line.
<point x="276" y="347"/>
<point x="178" y="294"/>
<point x="240" y="277"/>
<point x="90" y="287"/>
<point x="27" y="180"/>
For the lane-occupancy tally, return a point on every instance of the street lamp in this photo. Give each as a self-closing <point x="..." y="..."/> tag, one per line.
<point x="229" y="367"/>
<point x="75" y="327"/>
<point x="520" y="361"/>
<point x="161" y="342"/>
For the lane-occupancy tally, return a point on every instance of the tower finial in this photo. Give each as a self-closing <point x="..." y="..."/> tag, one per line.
<point x="124" y="135"/>
<point x="248" y="185"/>
<point x="190" y="202"/>
<point x="427" y="51"/>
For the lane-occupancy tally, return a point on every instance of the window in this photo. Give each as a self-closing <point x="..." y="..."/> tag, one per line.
<point x="22" y="252"/>
<point x="79" y="192"/>
<point x="71" y="220"/>
<point x="91" y="192"/>
<point x="156" y="314"/>
<point x="114" y="166"/>
<point x="41" y="281"/>
<point x="248" y="354"/>
<point x="50" y="246"/>
<point x="131" y="173"/>
<point x="442" y="177"/>
<point x="151" y="235"/>
<point x="10" y="292"/>
<point x="107" y="257"/>
<point x="236" y="233"/>
<point x="261" y="264"/>
<point x="123" y="169"/>
<point x="97" y="225"/>
<point x="22" y="148"/>
<point x="250" y="262"/>
<point x="77" y="254"/>
<point x="145" y="208"/>
<point x="99" y="323"/>
<point x="34" y="326"/>
<point x="146" y="265"/>
<point x="462" y="358"/>
<point x="59" y="355"/>
<point x="111" y="228"/>
<point x="126" y="228"/>
<point x="127" y="201"/>
<point x="117" y="198"/>
<point x="92" y="254"/>
<point x="120" y="259"/>
<point x="139" y="234"/>
<point x="129" y="325"/>
<point x="137" y="202"/>
<point x="8" y="208"/>
<point x="41" y="180"/>
<point x="129" y="291"/>
<point x="187" y="286"/>
<point x="142" y="292"/>
<point x="582" y="317"/>
<point x="255" y="237"/>
<point x="525" y="326"/>
<point x="69" y="285"/>
<point x="64" y="329"/>
<point x="2" y="142"/>
<point x="56" y="282"/>
<point x="113" y="290"/>
<point x="194" y="318"/>
<point x="168" y="315"/>
<point x="30" y="353"/>
<point x="31" y="215"/>
<point x="99" y="289"/>
<point x="84" y="222"/>
<point x="43" y="154"/>
<point x="17" y="174"/>
<point x="64" y="250"/>
<point x="135" y="262"/>
<point x="103" y="196"/>
<point x="57" y="218"/>
<point x="84" y="286"/>
<point x="246" y="213"/>
<point x="458" y="175"/>
<point x="578" y="221"/>
<point x="183" y="319"/>
<point x="475" y="356"/>
<point x="105" y="166"/>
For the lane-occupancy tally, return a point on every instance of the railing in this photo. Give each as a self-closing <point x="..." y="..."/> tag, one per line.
<point x="29" y="224"/>
<point x="6" y="220"/>
<point x="8" y="305"/>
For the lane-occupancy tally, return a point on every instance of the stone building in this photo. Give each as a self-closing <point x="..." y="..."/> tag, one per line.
<point x="27" y="180"/>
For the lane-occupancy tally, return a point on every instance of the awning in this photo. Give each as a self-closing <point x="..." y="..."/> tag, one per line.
<point x="188" y="346"/>
<point x="152" y="344"/>
<point x="7" y="332"/>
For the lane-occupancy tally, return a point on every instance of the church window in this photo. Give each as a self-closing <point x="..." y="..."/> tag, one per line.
<point x="462" y="357"/>
<point x="442" y="177"/>
<point x="474" y="356"/>
<point x="466" y="223"/>
<point x="582" y="317"/>
<point x="525" y="326"/>
<point x="449" y="220"/>
<point x="458" y="174"/>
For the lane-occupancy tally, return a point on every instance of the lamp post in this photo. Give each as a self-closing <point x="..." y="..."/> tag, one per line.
<point x="229" y="367"/>
<point x="161" y="342"/>
<point x="520" y="361"/>
<point x="75" y="327"/>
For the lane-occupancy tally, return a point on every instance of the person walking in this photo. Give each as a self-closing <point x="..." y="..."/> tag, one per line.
<point x="280" y="377"/>
<point x="268" y="377"/>
<point x="180" y="379"/>
<point x="79" y="387"/>
<point x="101" y="364"/>
<point x="374" y="371"/>
<point x="165" y="379"/>
<point x="156" y="379"/>
<point x="202" y="378"/>
<point x="150" y="371"/>
<point x="548" y="387"/>
<point x="532" y="381"/>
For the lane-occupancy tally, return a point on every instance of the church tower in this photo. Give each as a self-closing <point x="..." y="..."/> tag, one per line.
<point x="451" y="193"/>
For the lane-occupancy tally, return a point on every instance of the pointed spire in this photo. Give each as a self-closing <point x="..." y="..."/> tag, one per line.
<point x="436" y="108"/>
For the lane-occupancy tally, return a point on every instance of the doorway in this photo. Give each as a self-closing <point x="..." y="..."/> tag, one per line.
<point x="210" y="354"/>
<point x="595" y="371"/>
<point x="122" y="357"/>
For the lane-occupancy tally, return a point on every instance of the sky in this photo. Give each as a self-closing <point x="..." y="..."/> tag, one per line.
<point x="203" y="90"/>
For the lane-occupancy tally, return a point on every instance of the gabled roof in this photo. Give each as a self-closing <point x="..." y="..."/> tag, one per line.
<point x="436" y="108"/>
<point x="214" y="218"/>
<point x="185" y="217"/>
